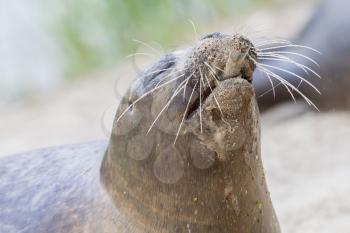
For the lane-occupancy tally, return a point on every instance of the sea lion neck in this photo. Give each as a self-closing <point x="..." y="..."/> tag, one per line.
<point x="192" y="184"/>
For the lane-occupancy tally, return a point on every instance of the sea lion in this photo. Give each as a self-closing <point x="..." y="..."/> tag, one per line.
<point x="327" y="31"/>
<point x="184" y="156"/>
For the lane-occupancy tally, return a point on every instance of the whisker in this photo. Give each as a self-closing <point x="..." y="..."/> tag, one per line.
<point x="168" y="75"/>
<point x="272" y="42"/>
<point x="188" y="79"/>
<point x="290" y="46"/>
<point x="284" y="82"/>
<point x="143" y="54"/>
<point x="271" y="89"/>
<point x="147" y="93"/>
<point x="268" y="76"/>
<point x="279" y="78"/>
<point x="176" y="92"/>
<point x="272" y="85"/>
<point x="287" y="52"/>
<point x="288" y="60"/>
<point x="218" y="68"/>
<point x="184" y="115"/>
<point x="194" y="29"/>
<point x="216" y="101"/>
<point x="211" y="71"/>
<point x="261" y="95"/>
<point x="301" y="81"/>
<point x="147" y="45"/>
<point x="285" y="59"/>
<point x="294" y="74"/>
<point x="200" y="99"/>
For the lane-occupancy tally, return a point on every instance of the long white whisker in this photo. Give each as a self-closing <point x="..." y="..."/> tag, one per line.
<point x="200" y="99"/>
<point x="144" y="54"/>
<point x="167" y="76"/>
<point x="211" y="71"/>
<point x="289" y="60"/>
<point x="290" y="46"/>
<point x="147" y="93"/>
<point x="301" y="81"/>
<point x="216" y="101"/>
<point x="287" y="52"/>
<point x="271" y="89"/>
<point x="290" y="85"/>
<point x="268" y="77"/>
<point x="279" y="78"/>
<point x="285" y="60"/>
<point x="294" y="74"/>
<point x="272" y="85"/>
<point x="147" y="45"/>
<point x="218" y="68"/>
<point x="176" y="92"/>
<point x="184" y="115"/>
<point x="194" y="29"/>
<point x="211" y="89"/>
<point x="184" y="93"/>
<point x="272" y="42"/>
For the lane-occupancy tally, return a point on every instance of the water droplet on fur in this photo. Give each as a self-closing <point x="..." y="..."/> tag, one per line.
<point x="140" y="146"/>
<point x="128" y="121"/>
<point x="202" y="157"/>
<point x="169" y="165"/>
<point x="170" y="119"/>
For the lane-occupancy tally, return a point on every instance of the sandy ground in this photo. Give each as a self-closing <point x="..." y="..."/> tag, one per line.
<point x="307" y="160"/>
<point x="306" y="154"/>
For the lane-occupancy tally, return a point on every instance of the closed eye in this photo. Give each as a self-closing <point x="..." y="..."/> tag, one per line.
<point x="213" y="35"/>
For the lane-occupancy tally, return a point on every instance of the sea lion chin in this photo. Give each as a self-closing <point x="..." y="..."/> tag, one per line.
<point x="225" y="126"/>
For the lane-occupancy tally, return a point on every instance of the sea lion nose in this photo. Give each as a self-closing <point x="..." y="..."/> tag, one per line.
<point x="233" y="64"/>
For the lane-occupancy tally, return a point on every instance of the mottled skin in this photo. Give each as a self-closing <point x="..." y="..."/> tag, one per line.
<point x="209" y="180"/>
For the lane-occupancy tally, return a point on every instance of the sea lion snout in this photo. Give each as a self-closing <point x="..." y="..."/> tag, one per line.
<point x="240" y="61"/>
<point x="196" y="80"/>
<point x="226" y="115"/>
<point x="227" y="56"/>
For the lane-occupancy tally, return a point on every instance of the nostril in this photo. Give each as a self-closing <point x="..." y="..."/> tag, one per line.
<point x="235" y="55"/>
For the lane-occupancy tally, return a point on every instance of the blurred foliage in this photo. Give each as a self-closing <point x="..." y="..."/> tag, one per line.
<point x="97" y="33"/>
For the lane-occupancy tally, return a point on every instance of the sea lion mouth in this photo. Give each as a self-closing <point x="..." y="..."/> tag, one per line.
<point x="220" y="121"/>
<point x="208" y="91"/>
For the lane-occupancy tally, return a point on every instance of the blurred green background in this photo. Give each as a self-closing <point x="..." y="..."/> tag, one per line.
<point x="47" y="43"/>
<point x="64" y="63"/>
<point x="98" y="33"/>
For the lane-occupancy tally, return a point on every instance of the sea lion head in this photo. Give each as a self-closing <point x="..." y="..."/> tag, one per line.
<point x="224" y="66"/>
<point x="184" y="153"/>
<point x="176" y="86"/>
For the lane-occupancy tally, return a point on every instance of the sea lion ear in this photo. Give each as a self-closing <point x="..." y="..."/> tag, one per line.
<point x="213" y="35"/>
